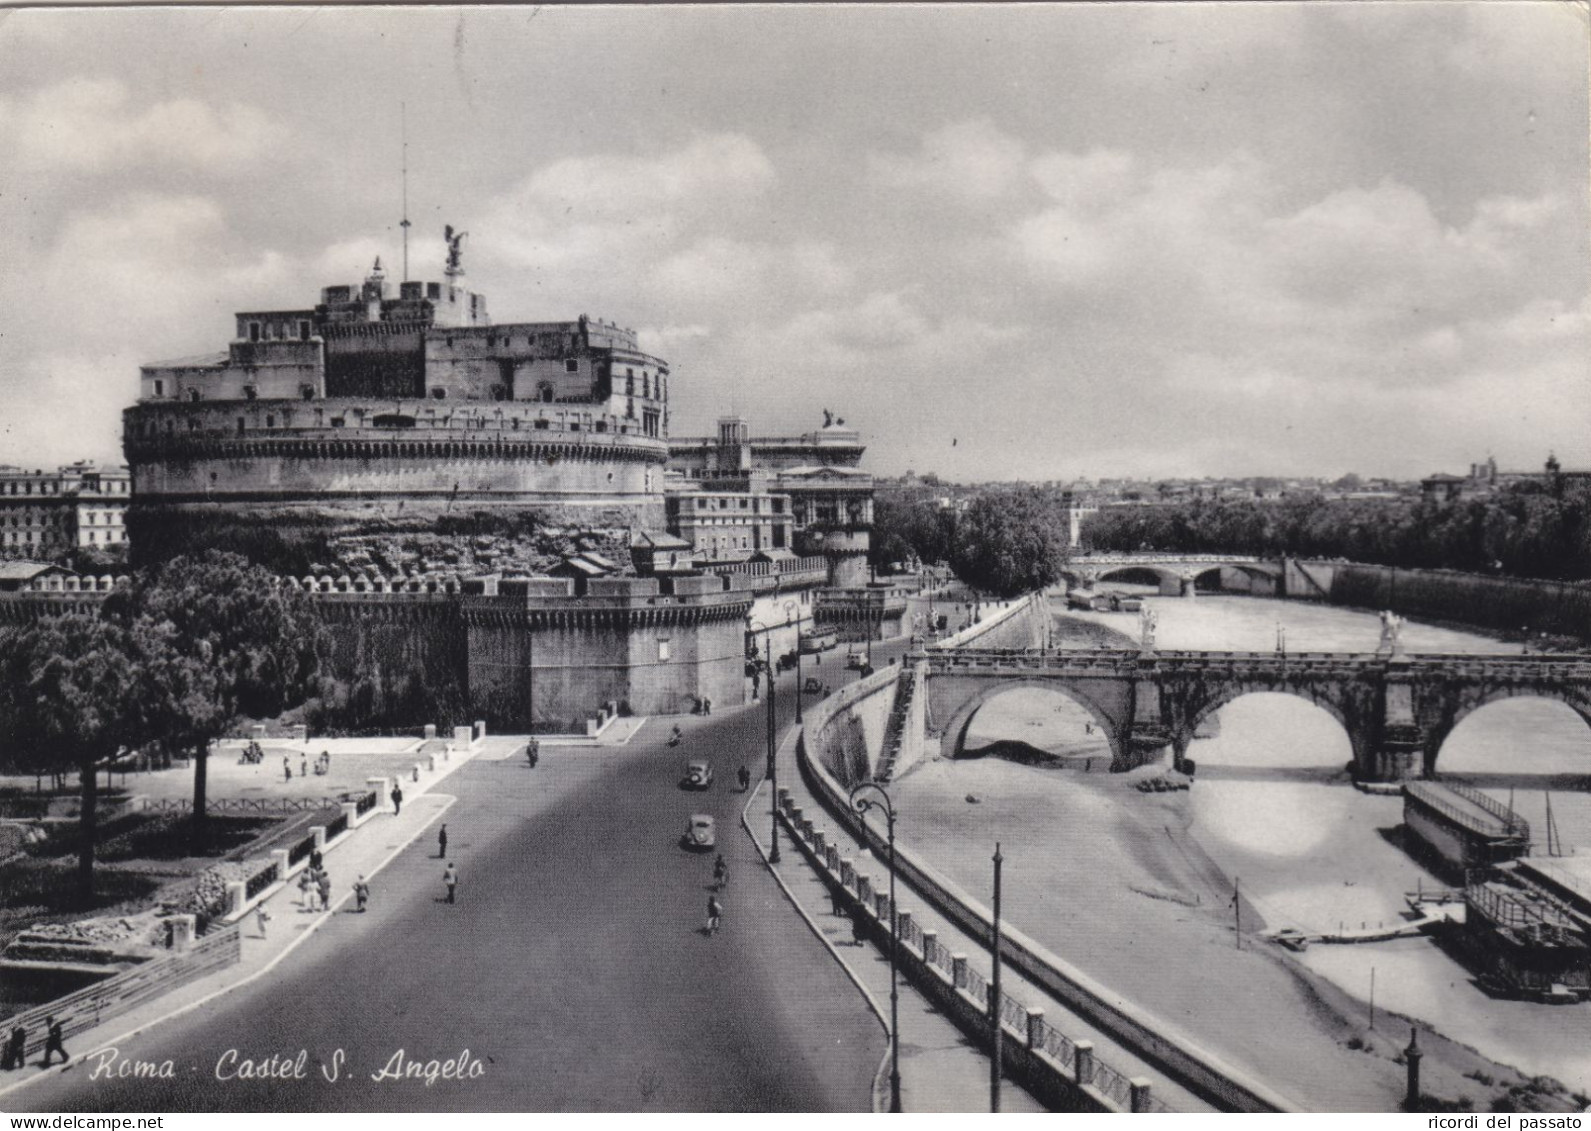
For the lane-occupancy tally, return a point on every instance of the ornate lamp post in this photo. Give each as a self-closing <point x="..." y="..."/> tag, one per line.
<point x="773" y="765"/>
<point x="862" y="805"/>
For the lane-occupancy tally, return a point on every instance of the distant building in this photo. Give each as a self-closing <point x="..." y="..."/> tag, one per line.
<point x="1484" y="478"/>
<point x="46" y="514"/>
<point x="728" y="493"/>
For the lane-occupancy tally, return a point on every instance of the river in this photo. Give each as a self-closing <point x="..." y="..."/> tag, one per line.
<point x="1273" y="810"/>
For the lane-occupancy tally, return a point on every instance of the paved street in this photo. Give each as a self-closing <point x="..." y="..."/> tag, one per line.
<point x="573" y="969"/>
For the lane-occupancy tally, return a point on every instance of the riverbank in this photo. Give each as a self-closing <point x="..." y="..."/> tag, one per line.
<point x="1113" y="880"/>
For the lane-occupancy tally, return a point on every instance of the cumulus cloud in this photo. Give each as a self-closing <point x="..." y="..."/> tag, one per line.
<point x="972" y="161"/>
<point x="87" y="124"/>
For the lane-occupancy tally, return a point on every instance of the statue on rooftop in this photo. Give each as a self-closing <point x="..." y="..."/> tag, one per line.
<point x="455" y="250"/>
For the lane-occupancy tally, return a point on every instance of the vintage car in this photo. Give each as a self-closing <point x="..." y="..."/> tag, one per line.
<point x="700" y="833"/>
<point x="856" y="662"/>
<point x="818" y="640"/>
<point x="698" y="775"/>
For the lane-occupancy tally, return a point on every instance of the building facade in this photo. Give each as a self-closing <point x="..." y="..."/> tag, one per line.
<point x="830" y="499"/>
<point x="379" y="400"/>
<point x="48" y="514"/>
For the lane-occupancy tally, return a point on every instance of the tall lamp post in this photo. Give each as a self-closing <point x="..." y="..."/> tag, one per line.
<point x="862" y="805"/>
<point x="773" y="765"/>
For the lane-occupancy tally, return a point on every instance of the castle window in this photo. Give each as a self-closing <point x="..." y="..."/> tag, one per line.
<point x="306" y="392"/>
<point x="433" y="290"/>
<point x="516" y="424"/>
<point x="241" y="426"/>
<point x="602" y="426"/>
<point x="303" y="329"/>
<point x="270" y="420"/>
<point x="544" y="392"/>
<point x="499" y="393"/>
<point x="193" y="395"/>
<point x="540" y="425"/>
<point x="254" y="331"/>
<point x="336" y="422"/>
<point x="250" y="392"/>
<point x="438" y="393"/>
<point x="160" y="388"/>
<point x="662" y="650"/>
<point x="571" y="365"/>
<point x="574" y="426"/>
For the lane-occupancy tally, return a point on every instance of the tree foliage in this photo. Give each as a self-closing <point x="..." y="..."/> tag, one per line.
<point x="908" y="525"/>
<point x="1536" y="529"/>
<point x="219" y="640"/>
<point x="1011" y="541"/>
<point x="68" y="686"/>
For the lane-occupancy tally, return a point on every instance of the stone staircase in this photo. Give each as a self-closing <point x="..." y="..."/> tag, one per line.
<point x="899" y="717"/>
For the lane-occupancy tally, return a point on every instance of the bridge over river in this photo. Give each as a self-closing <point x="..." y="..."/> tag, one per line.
<point x="1177" y="574"/>
<point x="1397" y="710"/>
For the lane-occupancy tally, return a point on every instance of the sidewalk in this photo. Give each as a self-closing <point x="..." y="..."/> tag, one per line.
<point x="941" y="1070"/>
<point x="940" y="1078"/>
<point x="367" y="850"/>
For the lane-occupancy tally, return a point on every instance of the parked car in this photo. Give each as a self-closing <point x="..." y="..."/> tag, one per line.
<point x="700" y="833"/>
<point x="699" y="775"/>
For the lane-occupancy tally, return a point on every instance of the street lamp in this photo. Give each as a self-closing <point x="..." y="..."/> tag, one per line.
<point x="773" y="765"/>
<point x="862" y="805"/>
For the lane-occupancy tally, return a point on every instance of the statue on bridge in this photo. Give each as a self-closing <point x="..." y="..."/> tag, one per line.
<point x="1148" y="621"/>
<point x="1391" y="632"/>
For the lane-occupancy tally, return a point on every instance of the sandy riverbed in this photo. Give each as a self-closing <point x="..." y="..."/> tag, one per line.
<point x="1137" y="888"/>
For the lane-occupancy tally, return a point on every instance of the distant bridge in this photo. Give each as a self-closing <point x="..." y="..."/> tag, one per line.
<point x="1397" y="710"/>
<point x="1177" y="572"/>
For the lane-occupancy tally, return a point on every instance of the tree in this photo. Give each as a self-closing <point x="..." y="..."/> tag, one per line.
<point x="220" y="640"/>
<point x="69" y="685"/>
<point x="1011" y="542"/>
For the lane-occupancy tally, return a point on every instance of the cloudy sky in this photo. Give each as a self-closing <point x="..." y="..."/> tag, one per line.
<point x="1035" y="241"/>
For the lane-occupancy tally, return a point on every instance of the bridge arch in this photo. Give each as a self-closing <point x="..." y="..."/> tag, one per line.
<point x="1310" y="693"/>
<point x="952" y="742"/>
<point x="1268" y="577"/>
<point x="1577" y="701"/>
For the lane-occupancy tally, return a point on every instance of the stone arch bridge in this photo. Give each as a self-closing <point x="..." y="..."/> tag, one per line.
<point x="1397" y="710"/>
<point x="1177" y="572"/>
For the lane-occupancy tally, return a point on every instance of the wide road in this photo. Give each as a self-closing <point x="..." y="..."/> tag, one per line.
<point x="573" y="968"/>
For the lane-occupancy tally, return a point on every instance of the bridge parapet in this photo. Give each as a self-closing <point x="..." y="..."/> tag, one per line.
<point x="1397" y="710"/>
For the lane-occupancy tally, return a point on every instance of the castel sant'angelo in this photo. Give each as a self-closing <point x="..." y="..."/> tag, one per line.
<point x="496" y="513"/>
<point x="385" y="400"/>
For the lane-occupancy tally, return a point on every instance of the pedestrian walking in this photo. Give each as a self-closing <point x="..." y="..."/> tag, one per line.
<point x="306" y="890"/>
<point x="316" y="861"/>
<point x="451" y="878"/>
<point x="836" y="900"/>
<point x="303" y="765"/>
<point x="16" y="1049"/>
<point x="533" y="752"/>
<point x="324" y="884"/>
<point x="54" y="1041"/>
<point x="361" y="893"/>
<point x="715" y="913"/>
<point x="720" y="872"/>
<point x="858" y="928"/>
<point x="744" y="777"/>
<point x="261" y="917"/>
<point x="397" y="798"/>
<point x="441" y="843"/>
<point x="287" y="769"/>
